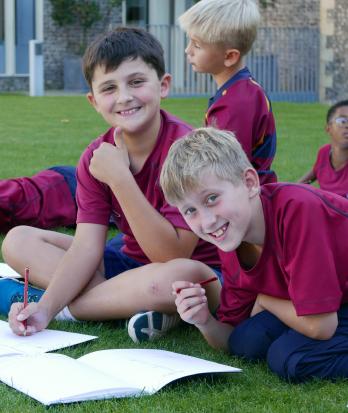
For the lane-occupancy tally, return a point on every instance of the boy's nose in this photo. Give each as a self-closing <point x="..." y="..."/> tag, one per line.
<point x="188" y="49"/>
<point x="208" y="220"/>
<point x="124" y="96"/>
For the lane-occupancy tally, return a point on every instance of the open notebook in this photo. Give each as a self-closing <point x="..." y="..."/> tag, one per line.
<point x="56" y="378"/>
<point x="45" y="340"/>
<point x="7" y="272"/>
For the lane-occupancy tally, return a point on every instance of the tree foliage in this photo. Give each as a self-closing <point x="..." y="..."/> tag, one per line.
<point x="82" y="13"/>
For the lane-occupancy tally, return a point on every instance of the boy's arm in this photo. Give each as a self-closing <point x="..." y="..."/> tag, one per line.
<point x="216" y="333"/>
<point x="317" y="326"/>
<point x="157" y="237"/>
<point x="75" y="270"/>
<point x="308" y="178"/>
<point x="192" y="306"/>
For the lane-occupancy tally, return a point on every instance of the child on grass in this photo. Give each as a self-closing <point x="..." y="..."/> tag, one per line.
<point x="283" y="248"/>
<point x="44" y="200"/>
<point x="331" y="166"/>
<point x="117" y="175"/>
<point x="221" y="33"/>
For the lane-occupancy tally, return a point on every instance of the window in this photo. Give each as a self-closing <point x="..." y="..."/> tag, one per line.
<point x="25" y="31"/>
<point x="137" y="12"/>
<point x="2" y="37"/>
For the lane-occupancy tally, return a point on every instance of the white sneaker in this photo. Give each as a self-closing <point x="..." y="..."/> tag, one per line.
<point x="150" y="325"/>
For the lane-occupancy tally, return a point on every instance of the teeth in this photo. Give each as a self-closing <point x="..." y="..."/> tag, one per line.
<point x="128" y="112"/>
<point x="219" y="232"/>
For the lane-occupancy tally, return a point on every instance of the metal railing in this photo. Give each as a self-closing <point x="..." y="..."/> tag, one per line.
<point x="285" y="61"/>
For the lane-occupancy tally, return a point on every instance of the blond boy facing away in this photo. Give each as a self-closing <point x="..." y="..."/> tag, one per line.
<point x="220" y="34"/>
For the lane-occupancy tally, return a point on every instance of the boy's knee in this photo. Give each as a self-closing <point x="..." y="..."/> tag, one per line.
<point x="182" y="269"/>
<point x="253" y="337"/>
<point x="13" y="238"/>
<point x="185" y="265"/>
<point x="185" y="269"/>
<point x="249" y="342"/>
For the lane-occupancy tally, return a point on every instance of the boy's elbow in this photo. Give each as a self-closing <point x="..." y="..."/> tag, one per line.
<point x="323" y="329"/>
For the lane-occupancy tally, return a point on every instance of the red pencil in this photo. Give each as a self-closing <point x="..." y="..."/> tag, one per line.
<point x="209" y="280"/>
<point x="25" y="294"/>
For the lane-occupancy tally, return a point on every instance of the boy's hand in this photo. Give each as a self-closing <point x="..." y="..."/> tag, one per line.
<point x="110" y="163"/>
<point x="35" y="315"/>
<point x="191" y="302"/>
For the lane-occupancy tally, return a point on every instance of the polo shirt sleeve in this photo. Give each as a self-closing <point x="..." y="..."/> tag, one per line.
<point x="306" y="239"/>
<point x="92" y="196"/>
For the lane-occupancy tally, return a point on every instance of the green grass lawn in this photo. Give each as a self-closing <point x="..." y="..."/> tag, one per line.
<point x="39" y="132"/>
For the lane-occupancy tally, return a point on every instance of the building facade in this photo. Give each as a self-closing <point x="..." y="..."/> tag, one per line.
<point x="300" y="54"/>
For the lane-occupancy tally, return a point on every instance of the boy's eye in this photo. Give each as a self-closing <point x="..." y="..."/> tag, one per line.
<point x="211" y="199"/>
<point x="189" y="211"/>
<point x="137" y="82"/>
<point x="108" y="89"/>
<point x="341" y="121"/>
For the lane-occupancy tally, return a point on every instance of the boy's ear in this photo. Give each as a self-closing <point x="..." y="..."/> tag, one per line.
<point x="232" y="57"/>
<point x="91" y="100"/>
<point x="165" y="85"/>
<point x="251" y="181"/>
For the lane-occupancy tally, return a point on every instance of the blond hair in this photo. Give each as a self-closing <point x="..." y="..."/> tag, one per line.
<point x="232" y="23"/>
<point x="202" y="150"/>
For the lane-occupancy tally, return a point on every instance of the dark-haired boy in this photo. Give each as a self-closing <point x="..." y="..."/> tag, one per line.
<point x="117" y="174"/>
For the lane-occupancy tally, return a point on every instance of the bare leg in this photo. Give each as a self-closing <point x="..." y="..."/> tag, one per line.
<point x="145" y="288"/>
<point x="41" y="251"/>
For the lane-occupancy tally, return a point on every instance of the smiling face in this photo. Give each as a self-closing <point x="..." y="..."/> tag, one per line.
<point x="129" y="96"/>
<point x="223" y="213"/>
<point x="337" y="128"/>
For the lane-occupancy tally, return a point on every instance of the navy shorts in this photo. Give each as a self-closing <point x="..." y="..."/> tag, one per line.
<point x="69" y="174"/>
<point x="289" y="354"/>
<point x="116" y="262"/>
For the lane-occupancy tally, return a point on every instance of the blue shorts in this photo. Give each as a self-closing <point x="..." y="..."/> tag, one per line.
<point x="116" y="262"/>
<point x="290" y="354"/>
<point x="69" y="174"/>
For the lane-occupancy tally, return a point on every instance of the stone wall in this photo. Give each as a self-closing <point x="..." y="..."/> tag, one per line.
<point x="337" y="69"/>
<point x="14" y="83"/>
<point x="330" y="17"/>
<point x="62" y="41"/>
<point x="292" y="13"/>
